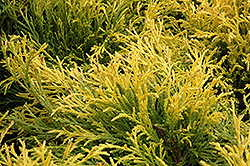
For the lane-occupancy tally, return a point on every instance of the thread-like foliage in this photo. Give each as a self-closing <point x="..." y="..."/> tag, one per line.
<point x="161" y="98"/>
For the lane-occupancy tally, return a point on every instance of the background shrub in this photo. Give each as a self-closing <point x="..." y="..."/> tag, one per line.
<point x="224" y="25"/>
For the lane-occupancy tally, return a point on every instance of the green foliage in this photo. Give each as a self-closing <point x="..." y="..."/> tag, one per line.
<point x="162" y="98"/>
<point x="114" y="105"/>
<point x="236" y="133"/>
<point x="73" y="27"/>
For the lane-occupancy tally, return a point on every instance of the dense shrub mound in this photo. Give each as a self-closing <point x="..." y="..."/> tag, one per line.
<point x="125" y="82"/>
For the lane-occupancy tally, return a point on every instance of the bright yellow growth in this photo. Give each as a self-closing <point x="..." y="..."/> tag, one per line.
<point x="156" y="99"/>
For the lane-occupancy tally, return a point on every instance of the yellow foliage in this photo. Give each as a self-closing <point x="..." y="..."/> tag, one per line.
<point x="154" y="103"/>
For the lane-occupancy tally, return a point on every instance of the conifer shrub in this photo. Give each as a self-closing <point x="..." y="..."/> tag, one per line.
<point x="142" y="108"/>
<point x="74" y="28"/>
<point x="235" y="134"/>
<point x="159" y="100"/>
<point x="224" y="25"/>
<point x="7" y="25"/>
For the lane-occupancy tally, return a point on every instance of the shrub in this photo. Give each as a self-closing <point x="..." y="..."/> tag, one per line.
<point x="160" y="99"/>
<point x="235" y="147"/>
<point x="224" y="25"/>
<point x="143" y="106"/>
<point x="75" y="28"/>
